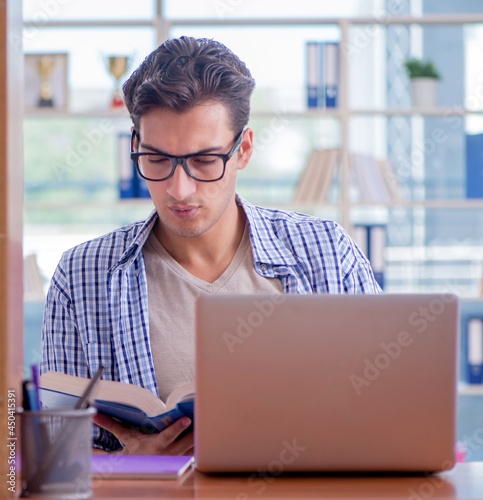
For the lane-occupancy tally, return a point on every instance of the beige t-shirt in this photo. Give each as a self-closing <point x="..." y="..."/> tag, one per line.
<point x="172" y="292"/>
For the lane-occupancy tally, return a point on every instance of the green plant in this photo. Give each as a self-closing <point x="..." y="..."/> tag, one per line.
<point x="419" y="68"/>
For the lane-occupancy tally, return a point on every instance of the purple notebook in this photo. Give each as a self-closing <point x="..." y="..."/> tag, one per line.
<point x="140" y="466"/>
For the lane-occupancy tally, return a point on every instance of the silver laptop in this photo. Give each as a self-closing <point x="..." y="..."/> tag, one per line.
<point x="326" y="383"/>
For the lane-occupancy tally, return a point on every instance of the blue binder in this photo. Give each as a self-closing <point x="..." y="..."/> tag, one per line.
<point x="312" y="50"/>
<point x="331" y="80"/>
<point x="474" y="349"/>
<point x="127" y="171"/>
<point x="371" y="239"/>
<point x="474" y="166"/>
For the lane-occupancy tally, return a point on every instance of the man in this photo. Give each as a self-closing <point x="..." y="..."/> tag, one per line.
<point x="126" y="299"/>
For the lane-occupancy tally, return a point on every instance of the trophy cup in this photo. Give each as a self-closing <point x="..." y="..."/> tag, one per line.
<point x="117" y="65"/>
<point x="45" y="66"/>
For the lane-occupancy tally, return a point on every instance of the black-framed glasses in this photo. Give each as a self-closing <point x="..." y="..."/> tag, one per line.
<point x="203" y="167"/>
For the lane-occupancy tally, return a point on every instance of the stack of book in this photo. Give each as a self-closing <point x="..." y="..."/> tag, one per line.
<point x="317" y="177"/>
<point x="374" y="179"/>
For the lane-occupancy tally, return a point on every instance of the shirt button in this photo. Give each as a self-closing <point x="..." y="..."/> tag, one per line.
<point x="263" y="267"/>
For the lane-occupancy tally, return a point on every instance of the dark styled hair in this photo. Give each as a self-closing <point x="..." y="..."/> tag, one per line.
<point x="184" y="72"/>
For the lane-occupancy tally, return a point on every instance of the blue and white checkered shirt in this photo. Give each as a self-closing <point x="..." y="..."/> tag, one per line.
<point x="97" y="305"/>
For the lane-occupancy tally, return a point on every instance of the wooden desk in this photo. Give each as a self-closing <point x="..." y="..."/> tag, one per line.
<point x="465" y="481"/>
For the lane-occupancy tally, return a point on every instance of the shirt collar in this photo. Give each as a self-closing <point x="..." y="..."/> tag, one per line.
<point x="137" y="243"/>
<point x="267" y="248"/>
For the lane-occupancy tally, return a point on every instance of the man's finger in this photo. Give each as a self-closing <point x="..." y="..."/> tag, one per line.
<point x="111" y="425"/>
<point x="175" y="429"/>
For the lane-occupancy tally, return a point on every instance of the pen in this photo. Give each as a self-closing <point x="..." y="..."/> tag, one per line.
<point x="35" y="380"/>
<point x="35" y="428"/>
<point x="25" y="396"/>
<point x="31" y="400"/>
<point x="83" y="401"/>
<point x="63" y="434"/>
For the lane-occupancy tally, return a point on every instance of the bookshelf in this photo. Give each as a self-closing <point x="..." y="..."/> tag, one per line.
<point x="326" y="128"/>
<point x="342" y="116"/>
<point x="338" y="123"/>
<point x="345" y="112"/>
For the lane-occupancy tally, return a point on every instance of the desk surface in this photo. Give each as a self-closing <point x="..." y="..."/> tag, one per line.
<point x="465" y="481"/>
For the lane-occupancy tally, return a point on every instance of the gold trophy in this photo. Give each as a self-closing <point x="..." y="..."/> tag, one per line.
<point x="118" y="66"/>
<point x="45" y="66"/>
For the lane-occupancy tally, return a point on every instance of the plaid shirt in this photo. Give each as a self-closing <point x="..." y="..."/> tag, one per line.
<point x="97" y="305"/>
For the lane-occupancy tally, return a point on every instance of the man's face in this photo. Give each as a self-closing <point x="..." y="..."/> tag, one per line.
<point x="188" y="208"/>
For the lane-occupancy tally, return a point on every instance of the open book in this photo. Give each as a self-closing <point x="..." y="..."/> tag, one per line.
<point x="317" y="177"/>
<point x="128" y="403"/>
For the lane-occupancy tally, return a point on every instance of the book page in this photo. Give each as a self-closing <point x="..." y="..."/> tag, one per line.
<point x="108" y="390"/>
<point x="185" y="392"/>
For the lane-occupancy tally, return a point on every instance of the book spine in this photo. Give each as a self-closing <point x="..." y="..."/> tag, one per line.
<point x="369" y="178"/>
<point x="143" y="191"/>
<point x="377" y="247"/>
<point x="331" y="74"/>
<point x="371" y="239"/>
<point x="127" y="171"/>
<point x="475" y="350"/>
<point x="321" y="74"/>
<point x="312" y="74"/>
<point x="474" y="166"/>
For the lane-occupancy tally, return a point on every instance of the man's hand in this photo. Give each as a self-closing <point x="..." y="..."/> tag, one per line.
<point x="138" y="443"/>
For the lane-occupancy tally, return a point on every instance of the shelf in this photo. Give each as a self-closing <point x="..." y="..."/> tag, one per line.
<point x="470" y="389"/>
<point x="315" y="113"/>
<point x="428" y="204"/>
<point x="91" y="23"/>
<point x="333" y="125"/>
<point x="338" y="112"/>
<point x="448" y="203"/>
<point x="55" y="113"/>
<point x="455" y="110"/>
<point x="128" y="202"/>
<point x="383" y="20"/>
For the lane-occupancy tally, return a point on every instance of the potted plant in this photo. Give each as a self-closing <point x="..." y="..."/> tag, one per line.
<point x="424" y="77"/>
